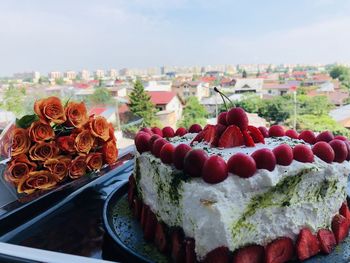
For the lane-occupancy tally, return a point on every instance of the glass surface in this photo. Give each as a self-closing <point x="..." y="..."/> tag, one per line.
<point x="74" y="227"/>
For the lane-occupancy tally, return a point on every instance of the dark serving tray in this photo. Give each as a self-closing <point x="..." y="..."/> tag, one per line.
<point x="72" y="225"/>
<point x="126" y="233"/>
<point x="21" y="209"/>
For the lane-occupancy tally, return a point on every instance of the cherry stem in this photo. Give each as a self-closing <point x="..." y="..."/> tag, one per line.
<point x="223" y="96"/>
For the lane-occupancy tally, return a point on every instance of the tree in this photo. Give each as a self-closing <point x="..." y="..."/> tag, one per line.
<point x="339" y="72"/>
<point x="59" y="81"/>
<point x="244" y="74"/>
<point x="101" y="96"/>
<point x="14" y="100"/>
<point x="141" y="105"/>
<point x="193" y="112"/>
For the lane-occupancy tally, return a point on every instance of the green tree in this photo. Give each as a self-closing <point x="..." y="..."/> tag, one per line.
<point x="59" y="81"/>
<point x="101" y="96"/>
<point x="339" y="72"/>
<point x="319" y="124"/>
<point x="14" y="100"/>
<point x="141" y="105"/>
<point x="244" y="74"/>
<point x="193" y="112"/>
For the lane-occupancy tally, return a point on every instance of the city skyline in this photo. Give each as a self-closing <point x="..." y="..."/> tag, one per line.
<point x="62" y="36"/>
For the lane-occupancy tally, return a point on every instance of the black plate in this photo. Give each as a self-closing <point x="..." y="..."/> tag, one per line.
<point x="126" y="233"/>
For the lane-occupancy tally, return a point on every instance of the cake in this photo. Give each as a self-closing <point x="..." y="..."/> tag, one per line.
<point x="236" y="193"/>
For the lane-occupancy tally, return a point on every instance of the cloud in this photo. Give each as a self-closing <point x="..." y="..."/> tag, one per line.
<point x="324" y="41"/>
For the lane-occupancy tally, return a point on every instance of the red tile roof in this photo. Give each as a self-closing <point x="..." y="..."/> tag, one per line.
<point x="161" y="97"/>
<point x="96" y="111"/>
<point x="81" y="85"/>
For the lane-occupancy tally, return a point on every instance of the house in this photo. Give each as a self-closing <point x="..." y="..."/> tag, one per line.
<point x="169" y="105"/>
<point x="187" y="89"/>
<point x="341" y="115"/>
<point x="243" y="85"/>
<point x="279" y="89"/>
<point x="105" y="111"/>
<point x="160" y="85"/>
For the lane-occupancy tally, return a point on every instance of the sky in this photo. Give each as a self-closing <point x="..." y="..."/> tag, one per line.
<point x="73" y="35"/>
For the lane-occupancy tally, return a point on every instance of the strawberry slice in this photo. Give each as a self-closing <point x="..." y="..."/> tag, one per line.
<point x="256" y="134"/>
<point x="248" y="140"/>
<point x="231" y="137"/>
<point x="217" y="255"/>
<point x="131" y="190"/>
<point x="160" y="238"/>
<point x="340" y="228"/>
<point x="177" y="246"/>
<point x="279" y="250"/>
<point x="199" y="137"/>
<point x="137" y="208"/>
<point x="190" y="253"/>
<point x="219" y="128"/>
<point x="209" y="133"/>
<point x="150" y="226"/>
<point x="249" y="254"/>
<point x="344" y="211"/>
<point x="307" y="244"/>
<point x="327" y="240"/>
<point x="144" y="214"/>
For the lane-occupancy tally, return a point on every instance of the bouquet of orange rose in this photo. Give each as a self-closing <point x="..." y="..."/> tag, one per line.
<point x="56" y="144"/>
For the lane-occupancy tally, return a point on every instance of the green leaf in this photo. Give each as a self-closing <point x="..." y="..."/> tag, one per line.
<point x="26" y="121"/>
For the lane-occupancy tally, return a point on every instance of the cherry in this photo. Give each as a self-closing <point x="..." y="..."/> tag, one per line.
<point x="276" y="131"/>
<point x="348" y="148"/>
<point x="324" y="151"/>
<point x="341" y="137"/>
<point x="168" y="132"/>
<point x="283" y="154"/>
<point x="222" y="118"/>
<point x="307" y="136"/>
<point x="147" y="130"/>
<point x="157" y="146"/>
<point x="166" y="153"/>
<point x="157" y="131"/>
<point x="195" y="128"/>
<point x="179" y="155"/>
<point x="325" y="136"/>
<point x="264" y="131"/>
<point x="292" y="134"/>
<point x="194" y="161"/>
<point x="340" y="150"/>
<point x="264" y="159"/>
<point x="237" y="116"/>
<point x="242" y="165"/>
<point x="214" y="170"/>
<point x="180" y="131"/>
<point x="152" y="140"/>
<point x="141" y="142"/>
<point x="303" y="153"/>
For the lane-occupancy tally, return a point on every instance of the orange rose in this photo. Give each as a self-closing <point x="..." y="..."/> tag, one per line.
<point x="76" y="114"/>
<point x="19" y="167"/>
<point x="50" y="110"/>
<point x="94" y="161"/>
<point x="20" y="141"/>
<point x="77" y="167"/>
<point x="110" y="152"/>
<point x="58" y="166"/>
<point x="42" y="151"/>
<point x="39" y="131"/>
<point x="66" y="144"/>
<point x="99" y="127"/>
<point x="35" y="181"/>
<point x="111" y="133"/>
<point x="84" y="141"/>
